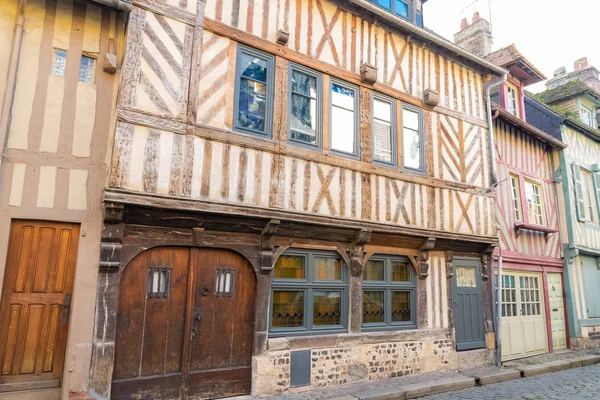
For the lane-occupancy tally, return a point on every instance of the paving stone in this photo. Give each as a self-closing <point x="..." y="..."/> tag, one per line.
<point x="347" y="397"/>
<point x="576" y="364"/>
<point x="532" y="370"/>
<point x="559" y="365"/>
<point x="382" y="394"/>
<point x="443" y="385"/>
<point x="489" y="375"/>
<point x="589" y="360"/>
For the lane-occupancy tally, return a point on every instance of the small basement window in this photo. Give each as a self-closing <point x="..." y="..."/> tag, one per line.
<point x="159" y="282"/>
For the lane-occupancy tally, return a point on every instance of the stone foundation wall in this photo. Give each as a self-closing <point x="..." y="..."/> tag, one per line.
<point x="590" y="338"/>
<point x="351" y="362"/>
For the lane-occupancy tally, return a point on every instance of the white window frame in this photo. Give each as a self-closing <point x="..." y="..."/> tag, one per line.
<point x="590" y="116"/>
<point x="588" y="196"/>
<point x="534" y="218"/>
<point x="516" y="196"/>
<point x="510" y="107"/>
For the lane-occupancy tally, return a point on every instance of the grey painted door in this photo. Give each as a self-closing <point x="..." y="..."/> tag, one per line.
<point x="468" y="305"/>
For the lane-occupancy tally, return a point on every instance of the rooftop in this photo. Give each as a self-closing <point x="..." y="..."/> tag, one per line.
<point x="511" y="59"/>
<point x="566" y="91"/>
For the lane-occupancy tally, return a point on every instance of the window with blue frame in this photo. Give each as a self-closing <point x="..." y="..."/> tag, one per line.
<point x="305" y="106"/>
<point x="389" y="287"/>
<point x="254" y="91"/>
<point x="309" y="293"/>
<point x="398" y="7"/>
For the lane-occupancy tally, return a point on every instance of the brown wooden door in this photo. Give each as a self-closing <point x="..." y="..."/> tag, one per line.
<point x="35" y="305"/>
<point x="185" y="325"/>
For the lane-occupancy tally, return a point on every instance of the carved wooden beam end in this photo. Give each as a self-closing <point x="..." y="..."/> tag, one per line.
<point x="431" y="97"/>
<point x="449" y="257"/>
<point x="486" y="257"/>
<point x="368" y="73"/>
<point x="110" y="58"/>
<point x="282" y="37"/>
<point x="267" y="246"/>
<point x="357" y="254"/>
<point x="111" y="238"/>
<point x="423" y="257"/>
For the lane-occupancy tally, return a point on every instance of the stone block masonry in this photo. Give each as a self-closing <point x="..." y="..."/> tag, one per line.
<point x="354" y="363"/>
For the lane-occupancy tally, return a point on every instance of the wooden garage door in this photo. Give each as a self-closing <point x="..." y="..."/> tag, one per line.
<point x="185" y="325"/>
<point x="36" y="297"/>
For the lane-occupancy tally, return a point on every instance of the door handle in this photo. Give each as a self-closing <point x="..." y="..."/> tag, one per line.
<point x="66" y="306"/>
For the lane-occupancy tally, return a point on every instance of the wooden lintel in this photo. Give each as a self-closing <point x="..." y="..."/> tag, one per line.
<point x="428" y="244"/>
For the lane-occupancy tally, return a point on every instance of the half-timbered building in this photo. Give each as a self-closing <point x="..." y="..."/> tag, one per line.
<point x="574" y="99"/>
<point x="58" y="85"/>
<point x="298" y="197"/>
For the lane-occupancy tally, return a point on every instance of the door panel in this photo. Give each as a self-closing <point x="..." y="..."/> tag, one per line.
<point x="185" y="325"/>
<point x="468" y="305"/>
<point x="557" y="311"/>
<point x="35" y="305"/>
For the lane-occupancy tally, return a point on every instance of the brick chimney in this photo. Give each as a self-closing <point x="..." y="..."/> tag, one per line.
<point x="581" y="64"/>
<point x="476" y="37"/>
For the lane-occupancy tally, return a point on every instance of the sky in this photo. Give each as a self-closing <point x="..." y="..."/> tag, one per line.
<point x="549" y="33"/>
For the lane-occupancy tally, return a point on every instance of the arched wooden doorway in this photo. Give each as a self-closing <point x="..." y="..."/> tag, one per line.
<point x="185" y="325"/>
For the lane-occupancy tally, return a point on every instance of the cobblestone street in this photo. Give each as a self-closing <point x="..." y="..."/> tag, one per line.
<point x="573" y="384"/>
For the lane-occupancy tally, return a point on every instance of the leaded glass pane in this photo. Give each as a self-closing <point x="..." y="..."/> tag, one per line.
<point x="400" y="271"/>
<point x="327" y="308"/>
<point x="59" y="62"/>
<point x="401" y="307"/>
<point x="254" y="68"/>
<point x="373" y="307"/>
<point x="466" y="277"/>
<point x="328" y="269"/>
<point x="289" y="267"/>
<point x="87" y="69"/>
<point x="252" y="105"/>
<point x="303" y="119"/>
<point x="374" y="271"/>
<point x="288" y="309"/>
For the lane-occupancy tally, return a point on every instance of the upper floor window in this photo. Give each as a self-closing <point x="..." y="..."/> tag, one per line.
<point x="254" y="91"/>
<point x="305" y="106"/>
<point x="384" y="132"/>
<point x="413" y="149"/>
<point x="516" y="196"/>
<point x="87" y="69"/>
<point x="535" y="205"/>
<point x="587" y="116"/>
<point x="389" y="288"/>
<point x="588" y="196"/>
<point x="344" y="119"/>
<point x="512" y="99"/>
<point x="59" y="62"/>
<point x="397" y="7"/>
<point x="309" y="293"/>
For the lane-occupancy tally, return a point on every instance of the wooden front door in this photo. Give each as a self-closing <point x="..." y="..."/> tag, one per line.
<point x="557" y="311"/>
<point x="36" y="298"/>
<point x="185" y="325"/>
<point x="523" y="324"/>
<point x="468" y="305"/>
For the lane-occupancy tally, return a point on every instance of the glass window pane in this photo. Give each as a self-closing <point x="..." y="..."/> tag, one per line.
<point x="59" y="62"/>
<point x="342" y="97"/>
<point x="382" y="141"/>
<point x="304" y="84"/>
<point x="466" y="277"/>
<point x="385" y="3"/>
<point x="401" y="8"/>
<point x="87" y="70"/>
<point x="253" y="67"/>
<point x="328" y="269"/>
<point x="289" y="267"/>
<point x="327" y="308"/>
<point x="410" y="119"/>
<point x="342" y="126"/>
<point x="372" y="307"/>
<point x="382" y="110"/>
<point x="252" y="105"/>
<point x="401" y="307"/>
<point x="288" y="309"/>
<point x="303" y="119"/>
<point x="400" y="271"/>
<point x="411" y="143"/>
<point x="374" y="271"/>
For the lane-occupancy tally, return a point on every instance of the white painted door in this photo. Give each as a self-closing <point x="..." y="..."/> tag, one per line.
<point x="557" y="311"/>
<point x="523" y="315"/>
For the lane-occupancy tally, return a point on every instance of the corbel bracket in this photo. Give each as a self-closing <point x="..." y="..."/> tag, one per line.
<point x="357" y="253"/>
<point x="267" y="245"/>
<point x="111" y="240"/>
<point x="486" y="257"/>
<point x="423" y="257"/>
<point x="449" y="257"/>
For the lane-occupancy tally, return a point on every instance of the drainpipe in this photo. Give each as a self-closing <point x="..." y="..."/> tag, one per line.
<point x="499" y="312"/>
<point x="11" y="77"/>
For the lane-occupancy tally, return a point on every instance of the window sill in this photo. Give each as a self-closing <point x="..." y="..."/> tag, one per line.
<point x="522" y="226"/>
